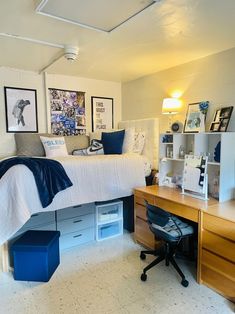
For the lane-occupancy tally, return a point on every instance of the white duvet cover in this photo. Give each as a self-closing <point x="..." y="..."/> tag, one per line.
<point x="94" y="178"/>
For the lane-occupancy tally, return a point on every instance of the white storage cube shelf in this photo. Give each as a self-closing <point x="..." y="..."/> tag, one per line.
<point x="109" y="220"/>
<point x="200" y="144"/>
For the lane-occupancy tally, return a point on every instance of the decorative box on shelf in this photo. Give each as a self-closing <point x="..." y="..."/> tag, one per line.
<point x="109" y="219"/>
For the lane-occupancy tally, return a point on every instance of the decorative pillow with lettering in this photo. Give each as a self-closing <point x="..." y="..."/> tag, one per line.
<point x="54" y="146"/>
<point x="96" y="148"/>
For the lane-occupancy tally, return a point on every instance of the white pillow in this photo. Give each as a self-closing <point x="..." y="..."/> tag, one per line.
<point x="54" y="146"/>
<point x="139" y="142"/>
<point x="129" y="140"/>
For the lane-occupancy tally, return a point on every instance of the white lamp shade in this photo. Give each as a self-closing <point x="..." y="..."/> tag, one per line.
<point x="171" y="105"/>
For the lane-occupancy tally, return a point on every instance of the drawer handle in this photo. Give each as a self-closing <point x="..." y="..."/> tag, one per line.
<point x="77" y="236"/>
<point x="35" y="215"/>
<point x="106" y="227"/>
<point x="76" y="221"/>
<point x="77" y="206"/>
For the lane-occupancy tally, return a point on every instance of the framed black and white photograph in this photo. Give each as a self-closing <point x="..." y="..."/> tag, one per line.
<point x="21" y="110"/>
<point x="193" y="119"/>
<point x="102" y="113"/>
<point x="221" y="119"/>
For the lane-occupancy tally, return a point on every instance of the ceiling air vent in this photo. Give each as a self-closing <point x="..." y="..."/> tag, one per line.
<point x="101" y="15"/>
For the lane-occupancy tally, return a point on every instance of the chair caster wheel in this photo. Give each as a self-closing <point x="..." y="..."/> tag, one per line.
<point x="142" y="256"/>
<point x="143" y="277"/>
<point x="184" y="283"/>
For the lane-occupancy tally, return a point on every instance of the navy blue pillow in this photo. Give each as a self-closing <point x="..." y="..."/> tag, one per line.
<point x="112" y="142"/>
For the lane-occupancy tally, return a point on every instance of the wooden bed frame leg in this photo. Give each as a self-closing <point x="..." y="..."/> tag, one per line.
<point x="5" y="257"/>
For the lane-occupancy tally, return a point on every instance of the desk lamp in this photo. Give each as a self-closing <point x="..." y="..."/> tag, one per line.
<point x="170" y="106"/>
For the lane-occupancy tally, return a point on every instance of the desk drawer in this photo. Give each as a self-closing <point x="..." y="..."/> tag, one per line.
<point x="143" y="233"/>
<point x="219" y="226"/>
<point x="77" y="238"/>
<point x="140" y="197"/>
<point x="218" y="245"/>
<point x="218" y="282"/>
<point x="76" y="224"/>
<point x="218" y="264"/>
<point x="178" y="209"/>
<point x="75" y="211"/>
<point x="140" y="211"/>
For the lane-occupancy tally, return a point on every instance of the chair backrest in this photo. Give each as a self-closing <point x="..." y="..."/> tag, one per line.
<point x="157" y="215"/>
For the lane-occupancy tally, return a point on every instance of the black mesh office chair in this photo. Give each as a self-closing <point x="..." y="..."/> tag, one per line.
<point x="171" y="230"/>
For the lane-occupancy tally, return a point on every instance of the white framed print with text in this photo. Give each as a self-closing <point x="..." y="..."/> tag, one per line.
<point x="102" y="113"/>
<point x="21" y="110"/>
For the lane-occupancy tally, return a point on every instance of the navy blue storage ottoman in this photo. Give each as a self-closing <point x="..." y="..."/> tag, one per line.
<point x="36" y="255"/>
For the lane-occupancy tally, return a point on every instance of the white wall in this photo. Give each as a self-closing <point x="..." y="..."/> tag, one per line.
<point x="211" y="78"/>
<point x="25" y="79"/>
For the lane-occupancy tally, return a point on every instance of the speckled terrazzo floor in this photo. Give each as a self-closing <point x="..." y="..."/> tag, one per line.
<point x="104" y="278"/>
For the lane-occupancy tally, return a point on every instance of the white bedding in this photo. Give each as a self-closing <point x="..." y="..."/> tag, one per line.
<point x="95" y="178"/>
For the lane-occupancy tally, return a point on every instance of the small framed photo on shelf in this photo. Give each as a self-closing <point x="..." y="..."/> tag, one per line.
<point x="215" y="126"/>
<point x="221" y="119"/>
<point x="21" y="110"/>
<point x="194" y="118"/>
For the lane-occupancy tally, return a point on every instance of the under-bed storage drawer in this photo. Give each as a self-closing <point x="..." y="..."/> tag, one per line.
<point x="76" y="224"/>
<point x="74" y="211"/>
<point x="77" y="238"/>
<point x="40" y="219"/>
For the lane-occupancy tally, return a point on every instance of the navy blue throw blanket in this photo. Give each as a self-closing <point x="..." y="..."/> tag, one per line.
<point x="49" y="175"/>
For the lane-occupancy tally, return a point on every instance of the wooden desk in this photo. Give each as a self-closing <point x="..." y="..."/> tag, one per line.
<point x="216" y="232"/>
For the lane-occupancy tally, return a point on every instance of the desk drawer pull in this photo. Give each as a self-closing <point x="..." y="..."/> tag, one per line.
<point x="77" y="206"/>
<point x="35" y="215"/>
<point x="76" y="221"/>
<point x="77" y="236"/>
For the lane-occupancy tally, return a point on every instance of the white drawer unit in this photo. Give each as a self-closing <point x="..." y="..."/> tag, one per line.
<point x="40" y="219"/>
<point x="109" y="230"/>
<point x="77" y="238"/>
<point x="74" y="211"/>
<point x="109" y="219"/>
<point x="76" y="225"/>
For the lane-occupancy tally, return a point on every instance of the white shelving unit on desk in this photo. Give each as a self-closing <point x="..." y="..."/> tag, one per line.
<point x="223" y="172"/>
<point x="109" y="219"/>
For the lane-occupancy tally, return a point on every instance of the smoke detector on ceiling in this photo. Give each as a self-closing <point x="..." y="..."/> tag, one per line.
<point x="71" y="53"/>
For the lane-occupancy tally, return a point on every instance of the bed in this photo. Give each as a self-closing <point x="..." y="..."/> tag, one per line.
<point x="95" y="178"/>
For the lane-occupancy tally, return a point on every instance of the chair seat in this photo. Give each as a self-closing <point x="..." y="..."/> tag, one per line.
<point x="170" y="232"/>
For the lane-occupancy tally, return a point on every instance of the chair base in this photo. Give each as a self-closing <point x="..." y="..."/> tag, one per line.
<point x="166" y="253"/>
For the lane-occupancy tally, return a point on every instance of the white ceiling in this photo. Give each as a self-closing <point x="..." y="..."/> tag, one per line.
<point x="164" y="35"/>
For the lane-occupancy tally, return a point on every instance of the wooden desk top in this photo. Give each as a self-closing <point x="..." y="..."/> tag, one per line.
<point x="224" y="210"/>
